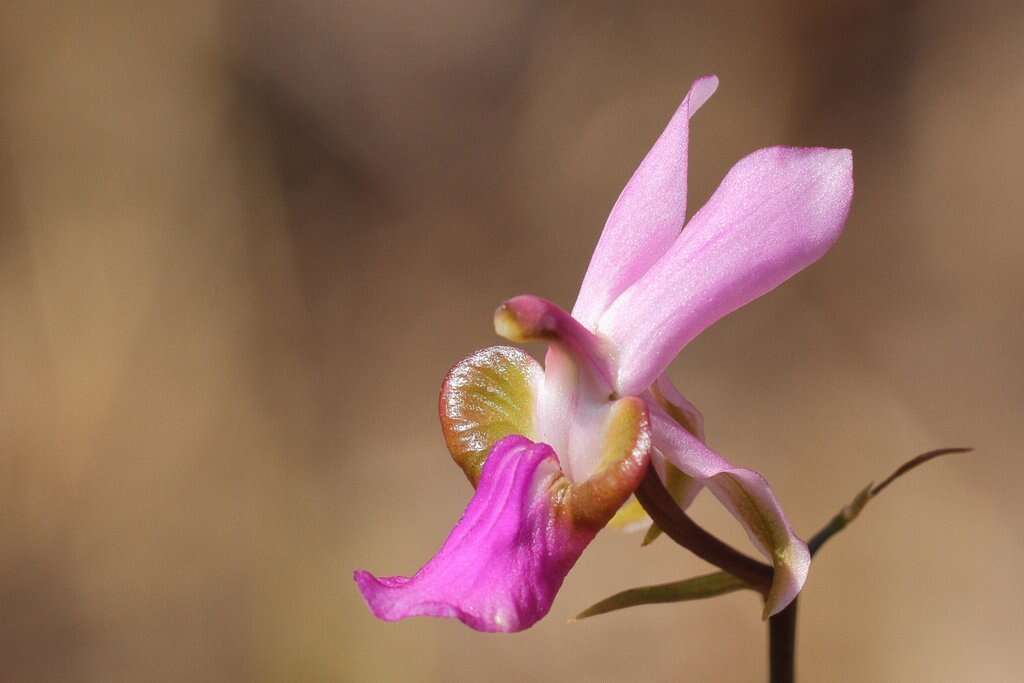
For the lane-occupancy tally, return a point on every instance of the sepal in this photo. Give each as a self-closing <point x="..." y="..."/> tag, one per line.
<point x="748" y="497"/>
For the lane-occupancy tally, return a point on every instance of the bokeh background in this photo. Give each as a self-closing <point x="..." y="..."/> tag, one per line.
<point x="241" y="243"/>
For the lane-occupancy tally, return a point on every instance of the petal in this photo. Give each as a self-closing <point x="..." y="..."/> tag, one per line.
<point x="748" y="497"/>
<point x="531" y="318"/>
<point x="776" y="212"/>
<point x="501" y="566"/>
<point x="484" y="398"/>
<point x="624" y="456"/>
<point x="678" y="406"/>
<point x="576" y="390"/>
<point x="556" y="409"/>
<point x="524" y="529"/>
<point x="684" y="488"/>
<point x="647" y="216"/>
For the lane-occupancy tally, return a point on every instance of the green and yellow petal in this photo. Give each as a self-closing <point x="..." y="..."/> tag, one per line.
<point x="485" y="397"/>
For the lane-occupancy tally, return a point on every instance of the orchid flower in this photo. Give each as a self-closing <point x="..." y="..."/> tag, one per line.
<point x="555" y="452"/>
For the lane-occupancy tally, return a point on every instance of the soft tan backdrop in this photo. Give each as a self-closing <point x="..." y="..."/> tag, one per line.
<point x="241" y="243"/>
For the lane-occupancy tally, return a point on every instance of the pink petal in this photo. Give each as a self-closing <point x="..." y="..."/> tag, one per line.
<point x="748" y="497"/>
<point x="776" y="212"/>
<point x="647" y="216"/>
<point x="679" y="407"/>
<point x="501" y="566"/>
<point x="524" y="529"/>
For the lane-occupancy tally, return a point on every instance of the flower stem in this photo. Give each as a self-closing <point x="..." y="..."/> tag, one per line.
<point x="782" y="645"/>
<point x="667" y="514"/>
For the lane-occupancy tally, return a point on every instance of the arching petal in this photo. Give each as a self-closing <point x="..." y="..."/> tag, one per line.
<point x="776" y="212"/>
<point x="748" y="497"/>
<point x="485" y="397"/>
<point x="647" y="216"/>
<point x="524" y="529"/>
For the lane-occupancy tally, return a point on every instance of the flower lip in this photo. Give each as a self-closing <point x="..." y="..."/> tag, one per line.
<point x="526" y="525"/>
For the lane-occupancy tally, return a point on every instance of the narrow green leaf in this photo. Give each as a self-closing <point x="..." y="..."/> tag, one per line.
<point x="653" y="532"/>
<point x="697" y="588"/>
<point x="853" y="509"/>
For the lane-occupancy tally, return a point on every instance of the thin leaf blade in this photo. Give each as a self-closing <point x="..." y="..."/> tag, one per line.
<point x="696" y="588"/>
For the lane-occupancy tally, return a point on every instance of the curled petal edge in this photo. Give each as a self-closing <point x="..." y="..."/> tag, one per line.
<point x="747" y="495"/>
<point x="484" y="398"/>
<point x="522" y="532"/>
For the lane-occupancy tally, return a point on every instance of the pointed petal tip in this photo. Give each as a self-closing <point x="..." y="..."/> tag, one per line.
<point x="834" y="164"/>
<point x="841" y="161"/>
<point x="749" y="498"/>
<point x="648" y="214"/>
<point x="374" y="594"/>
<point x="824" y="162"/>
<point x="701" y="91"/>
<point x="792" y="565"/>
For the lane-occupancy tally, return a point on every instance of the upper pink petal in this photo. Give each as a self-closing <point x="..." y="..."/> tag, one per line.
<point x="503" y="563"/>
<point x="647" y="216"/>
<point x="776" y="212"/>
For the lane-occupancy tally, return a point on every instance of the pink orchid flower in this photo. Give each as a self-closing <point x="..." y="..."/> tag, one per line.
<point x="554" y="453"/>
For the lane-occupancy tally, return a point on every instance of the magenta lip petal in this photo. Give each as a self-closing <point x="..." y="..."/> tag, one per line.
<point x="504" y="561"/>
<point x="647" y="216"/>
<point x="776" y="212"/>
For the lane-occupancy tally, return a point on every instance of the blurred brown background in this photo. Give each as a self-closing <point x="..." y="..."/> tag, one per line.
<point x="241" y="243"/>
